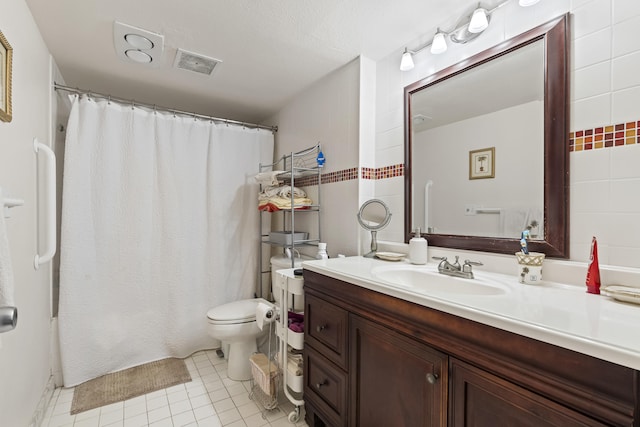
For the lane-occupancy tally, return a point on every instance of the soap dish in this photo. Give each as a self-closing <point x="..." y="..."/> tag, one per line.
<point x="390" y="256"/>
<point x="622" y="293"/>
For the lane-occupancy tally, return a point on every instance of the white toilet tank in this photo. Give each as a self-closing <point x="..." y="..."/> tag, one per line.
<point x="280" y="262"/>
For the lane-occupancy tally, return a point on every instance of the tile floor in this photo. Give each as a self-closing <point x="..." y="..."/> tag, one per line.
<point x="211" y="399"/>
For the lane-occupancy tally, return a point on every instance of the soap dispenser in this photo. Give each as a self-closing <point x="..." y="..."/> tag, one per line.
<point x="418" y="249"/>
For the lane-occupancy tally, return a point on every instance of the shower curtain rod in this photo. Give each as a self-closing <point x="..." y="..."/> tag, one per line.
<point x="78" y="91"/>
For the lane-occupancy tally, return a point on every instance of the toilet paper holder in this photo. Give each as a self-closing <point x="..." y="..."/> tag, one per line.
<point x="8" y="318"/>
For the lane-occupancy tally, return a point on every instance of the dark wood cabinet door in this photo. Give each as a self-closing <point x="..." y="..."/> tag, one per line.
<point x="480" y="399"/>
<point x="395" y="380"/>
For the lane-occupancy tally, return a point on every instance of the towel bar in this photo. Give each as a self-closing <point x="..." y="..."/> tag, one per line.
<point x="8" y="202"/>
<point x="50" y="203"/>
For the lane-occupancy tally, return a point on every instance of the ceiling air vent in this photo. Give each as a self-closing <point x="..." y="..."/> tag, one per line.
<point x="195" y="62"/>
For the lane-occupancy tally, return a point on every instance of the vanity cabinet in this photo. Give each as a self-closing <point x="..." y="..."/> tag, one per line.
<point x="376" y="360"/>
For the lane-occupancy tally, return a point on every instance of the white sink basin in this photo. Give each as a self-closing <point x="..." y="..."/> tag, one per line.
<point x="427" y="280"/>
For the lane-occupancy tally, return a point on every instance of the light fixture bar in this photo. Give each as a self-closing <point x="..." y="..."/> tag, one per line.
<point x="407" y="56"/>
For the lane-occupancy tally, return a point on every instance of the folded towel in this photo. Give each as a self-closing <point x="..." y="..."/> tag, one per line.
<point x="6" y="272"/>
<point x="293" y="368"/>
<point x="278" y="203"/>
<point x="281" y="191"/>
<point x="268" y="178"/>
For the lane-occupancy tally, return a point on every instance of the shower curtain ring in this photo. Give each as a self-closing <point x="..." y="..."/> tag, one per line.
<point x="154" y="109"/>
<point x="132" y="103"/>
<point x="109" y="100"/>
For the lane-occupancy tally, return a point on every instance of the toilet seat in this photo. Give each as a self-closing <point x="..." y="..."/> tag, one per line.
<point x="243" y="311"/>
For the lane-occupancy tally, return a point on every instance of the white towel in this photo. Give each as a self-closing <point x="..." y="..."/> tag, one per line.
<point x="6" y="273"/>
<point x="268" y="178"/>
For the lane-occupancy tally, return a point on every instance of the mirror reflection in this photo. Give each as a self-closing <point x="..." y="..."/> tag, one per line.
<point x="486" y="147"/>
<point x="481" y="150"/>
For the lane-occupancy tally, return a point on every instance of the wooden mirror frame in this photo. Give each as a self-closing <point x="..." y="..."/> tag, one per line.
<point x="556" y="143"/>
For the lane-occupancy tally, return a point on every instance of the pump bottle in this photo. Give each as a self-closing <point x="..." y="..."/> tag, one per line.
<point x="418" y="249"/>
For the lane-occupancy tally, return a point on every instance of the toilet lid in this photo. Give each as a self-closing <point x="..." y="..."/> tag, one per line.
<point x="238" y="311"/>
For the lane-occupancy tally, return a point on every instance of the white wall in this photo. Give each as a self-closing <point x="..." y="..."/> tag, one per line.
<point x="25" y="351"/>
<point x="605" y="57"/>
<point x="448" y="169"/>
<point x="327" y="112"/>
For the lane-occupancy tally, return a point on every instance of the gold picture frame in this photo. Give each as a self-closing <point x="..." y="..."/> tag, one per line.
<point x="482" y="163"/>
<point x="6" y="56"/>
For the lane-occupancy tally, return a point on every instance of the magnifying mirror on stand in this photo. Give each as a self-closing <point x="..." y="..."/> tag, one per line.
<point x="374" y="215"/>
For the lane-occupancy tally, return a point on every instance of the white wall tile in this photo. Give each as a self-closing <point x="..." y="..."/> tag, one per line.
<point x="626" y="35"/>
<point x="625" y="106"/>
<point x="586" y="225"/>
<point x="592" y="81"/>
<point x="391" y="138"/>
<point x="623" y="196"/>
<point x="589" y="166"/>
<point x="625" y="161"/>
<point x="590" y="197"/>
<point x="625" y="9"/>
<point x="590" y="112"/>
<point x="624" y="230"/>
<point x="390" y="156"/>
<point x="625" y="71"/>
<point x="592" y="48"/>
<point x="591" y="17"/>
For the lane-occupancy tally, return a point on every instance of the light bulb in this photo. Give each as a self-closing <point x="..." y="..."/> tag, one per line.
<point x="439" y="44"/>
<point x="526" y="3"/>
<point x="406" y="63"/>
<point x="479" y="21"/>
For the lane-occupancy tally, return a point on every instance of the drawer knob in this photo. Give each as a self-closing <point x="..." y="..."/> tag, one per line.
<point x="321" y="328"/>
<point x="319" y="385"/>
<point x="432" y="378"/>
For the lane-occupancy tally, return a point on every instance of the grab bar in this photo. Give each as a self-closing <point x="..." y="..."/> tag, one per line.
<point x="50" y="204"/>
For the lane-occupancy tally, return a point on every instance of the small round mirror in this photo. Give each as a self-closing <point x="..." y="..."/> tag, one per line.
<point x="373" y="215"/>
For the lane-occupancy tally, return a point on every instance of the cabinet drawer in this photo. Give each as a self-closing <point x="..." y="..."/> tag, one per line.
<point x="325" y="386"/>
<point x="326" y="329"/>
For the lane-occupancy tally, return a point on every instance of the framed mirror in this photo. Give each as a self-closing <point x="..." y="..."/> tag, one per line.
<point x="487" y="147"/>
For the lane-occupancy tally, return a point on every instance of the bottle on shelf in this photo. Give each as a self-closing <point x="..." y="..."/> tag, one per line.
<point x="322" y="251"/>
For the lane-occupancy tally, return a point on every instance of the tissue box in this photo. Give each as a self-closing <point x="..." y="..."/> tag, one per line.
<point x="287" y="237"/>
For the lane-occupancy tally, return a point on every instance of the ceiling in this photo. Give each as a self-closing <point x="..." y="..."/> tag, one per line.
<point x="271" y="49"/>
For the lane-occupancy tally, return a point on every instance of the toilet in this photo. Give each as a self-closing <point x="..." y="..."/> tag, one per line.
<point x="235" y="325"/>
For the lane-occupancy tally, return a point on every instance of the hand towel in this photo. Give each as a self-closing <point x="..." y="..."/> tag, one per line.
<point x="268" y="178"/>
<point x="6" y="273"/>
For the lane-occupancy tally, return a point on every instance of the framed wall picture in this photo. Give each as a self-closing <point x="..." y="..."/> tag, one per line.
<point x="482" y="163"/>
<point x="6" y="53"/>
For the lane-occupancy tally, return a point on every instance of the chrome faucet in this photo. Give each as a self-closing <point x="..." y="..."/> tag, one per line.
<point x="465" y="270"/>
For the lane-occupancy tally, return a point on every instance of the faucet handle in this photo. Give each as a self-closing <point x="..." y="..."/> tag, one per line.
<point x="439" y="258"/>
<point x="467" y="267"/>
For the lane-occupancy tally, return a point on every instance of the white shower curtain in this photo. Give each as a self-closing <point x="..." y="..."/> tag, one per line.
<point x="159" y="224"/>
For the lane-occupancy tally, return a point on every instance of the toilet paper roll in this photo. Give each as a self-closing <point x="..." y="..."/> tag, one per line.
<point x="265" y="314"/>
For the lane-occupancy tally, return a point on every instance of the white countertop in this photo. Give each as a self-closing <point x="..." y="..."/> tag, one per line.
<point x="559" y="314"/>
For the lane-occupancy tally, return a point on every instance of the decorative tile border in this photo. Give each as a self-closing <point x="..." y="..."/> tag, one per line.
<point x="605" y="137"/>
<point x="352" y="173"/>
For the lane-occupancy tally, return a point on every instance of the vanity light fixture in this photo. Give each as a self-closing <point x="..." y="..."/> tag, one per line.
<point x="407" y="60"/>
<point x="468" y="28"/>
<point x="479" y="21"/>
<point x="439" y="43"/>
